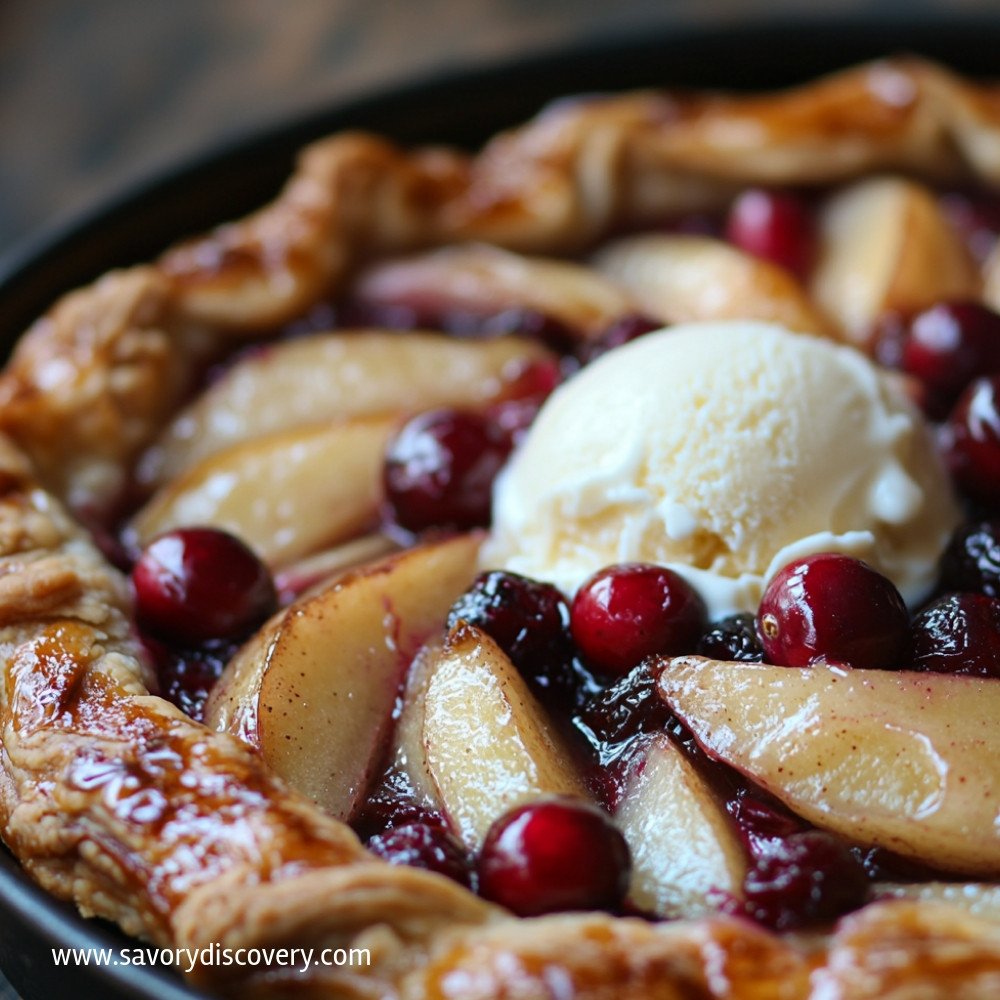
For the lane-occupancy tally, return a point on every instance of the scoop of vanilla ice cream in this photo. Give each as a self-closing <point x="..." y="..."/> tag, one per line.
<point x="724" y="451"/>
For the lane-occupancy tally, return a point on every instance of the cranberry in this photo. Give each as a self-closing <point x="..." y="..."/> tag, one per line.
<point x="972" y="559"/>
<point x="529" y="620"/>
<point x="888" y="337"/>
<point x="626" y="709"/>
<point x="775" y="225"/>
<point x="622" y="331"/>
<point x="196" y="584"/>
<point x="439" y="469"/>
<point x="948" y="346"/>
<point x="554" y="854"/>
<point x="762" y="820"/>
<point x="971" y="441"/>
<point x="185" y="677"/>
<point x="959" y="634"/>
<point x="734" y="638"/>
<point x="804" y="879"/>
<point x="627" y="612"/>
<point x="424" y="845"/>
<point x="835" y="608"/>
<point x="976" y="216"/>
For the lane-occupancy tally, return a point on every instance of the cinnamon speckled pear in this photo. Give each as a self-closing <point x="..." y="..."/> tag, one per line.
<point x="335" y="376"/>
<point x="902" y="760"/>
<point x="488" y="743"/>
<point x="685" y="852"/>
<point x="886" y="245"/>
<point x="316" y="688"/>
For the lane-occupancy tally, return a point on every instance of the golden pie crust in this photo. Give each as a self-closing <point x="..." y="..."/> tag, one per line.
<point x="114" y="799"/>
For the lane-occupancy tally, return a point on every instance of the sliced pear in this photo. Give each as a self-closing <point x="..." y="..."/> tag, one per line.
<point x="331" y="377"/>
<point x="408" y="754"/>
<point x="979" y="899"/>
<point x="483" y="280"/>
<point x="316" y="688"/>
<point x="886" y="245"/>
<point x="684" y="849"/>
<point x="302" y="576"/>
<point x="678" y="278"/>
<point x="286" y="494"/>
<point x="488" y="743"/>
<point x="906" y="761"/>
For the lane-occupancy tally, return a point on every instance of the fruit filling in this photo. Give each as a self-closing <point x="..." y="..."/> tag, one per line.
<point x="578" y="562"/>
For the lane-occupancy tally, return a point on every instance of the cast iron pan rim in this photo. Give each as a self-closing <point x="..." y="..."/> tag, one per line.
<point x="857" y="35"/>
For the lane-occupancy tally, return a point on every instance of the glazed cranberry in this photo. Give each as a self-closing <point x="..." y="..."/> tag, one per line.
<point x="529" y="621"/>
<point x="835" y="608"/>
<point x="971" y="562"/>
<point x="185" y="677"/>
<point x="554" y="854"/>
<point x="976" y="216"/>
<point x="775" y="225"/>
<point x="734" y="638"/>
<point x="514" y="414"/>
<point x="622" y="331"/>
<point x="959" y="634"/>
<point x="424" y="845"/>
<point x="805" y="879"/>
<point x="971" y="441"/>
<point x="439" y="470"/>
<point x="196" y="584"/>
<point x="626" y="709"/>
<point x="948" y="346"/>
<point x="627" y="612"/>
<point x="761" y="821"/>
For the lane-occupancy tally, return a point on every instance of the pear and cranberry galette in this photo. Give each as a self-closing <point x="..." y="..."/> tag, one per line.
<point x="571" y="570"/>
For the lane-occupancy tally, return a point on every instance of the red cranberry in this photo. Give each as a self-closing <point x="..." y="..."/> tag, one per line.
<point x="185" y="677"/>
<point x="972" y="559"/>
<point x="626" y="709"/>
<point x="627" y="612"/>
<point x="424" y="845"/>
<point x="554" y="854"/>
<point x="440" y="467"/>
<point x="835" y="608"/>
<point x="622" y="331"/>
<point x="777" y="226"/>
<point x="196" y="584"/>
<point x="529" y="620"/>
<point x="948" y="346"/>
<point x="762" y="820"/>
<point x="514" y="414"/>
<point x="971" y="441"/>
<point x="976" y="216"/>
<point x="803" y="880"/>
<point x="958" y="634"/>
<point x="734" y="638"/>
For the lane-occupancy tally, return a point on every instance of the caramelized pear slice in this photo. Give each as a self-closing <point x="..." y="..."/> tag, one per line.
<point x="684" y="848"/>
<point x="316" y="688"/>
<point x="286" y="494"/>
<point x="885" y="245"/>
<point x="484" y="280"/>
<point x="906" y="761"/>
<point x="680" y="278"/>
<point x="331" y="377"/>
<point x="488" y="743"/>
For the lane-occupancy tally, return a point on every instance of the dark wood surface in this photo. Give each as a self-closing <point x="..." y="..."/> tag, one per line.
<point x="96" y="95"/>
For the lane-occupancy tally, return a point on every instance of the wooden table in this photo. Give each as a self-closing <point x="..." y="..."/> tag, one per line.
<point x="97" y="95"/>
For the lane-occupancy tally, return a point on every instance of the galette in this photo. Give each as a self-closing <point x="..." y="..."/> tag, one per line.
<point x="567" y="570"/>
